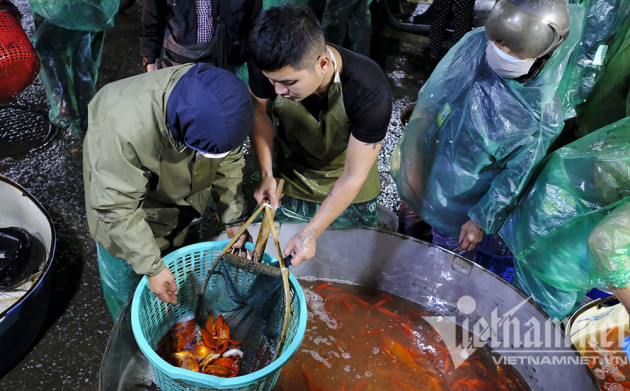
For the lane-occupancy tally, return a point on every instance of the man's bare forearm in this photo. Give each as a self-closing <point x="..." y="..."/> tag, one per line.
<point x="340" y="196"/>
<point x="261" y="136"/>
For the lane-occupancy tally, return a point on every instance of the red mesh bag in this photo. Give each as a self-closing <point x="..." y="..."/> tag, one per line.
<point x="19" y="63"/>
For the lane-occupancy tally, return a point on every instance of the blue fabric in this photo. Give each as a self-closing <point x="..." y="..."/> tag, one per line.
<point x="210" y="110"/>
<point x="118" y="280"/>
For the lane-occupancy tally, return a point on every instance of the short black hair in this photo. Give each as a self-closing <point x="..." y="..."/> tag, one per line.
<point x="286" y="35"/>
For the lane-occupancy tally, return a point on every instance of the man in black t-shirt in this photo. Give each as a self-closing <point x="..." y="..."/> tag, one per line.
<point x="320" y="116"/>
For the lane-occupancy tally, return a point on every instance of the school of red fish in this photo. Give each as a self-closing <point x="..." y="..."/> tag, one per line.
<point x="361" y="339"/>
<point x="207" y="350"/>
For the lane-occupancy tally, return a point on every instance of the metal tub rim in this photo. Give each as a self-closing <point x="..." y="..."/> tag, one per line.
<point x="430" y="259"/>
<point x="51" y="252"/>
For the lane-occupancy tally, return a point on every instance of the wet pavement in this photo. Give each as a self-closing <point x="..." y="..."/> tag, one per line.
<point x="68" y="353"/>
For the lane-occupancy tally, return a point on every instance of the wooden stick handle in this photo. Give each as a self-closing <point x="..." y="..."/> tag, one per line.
<point x="265" y="226"/>
<point x="243" y="228"/>
<point x="287" y="291"/>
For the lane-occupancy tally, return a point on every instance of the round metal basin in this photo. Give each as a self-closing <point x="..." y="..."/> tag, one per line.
<point x="23" y="320"/>
<point x="425" y="274"/>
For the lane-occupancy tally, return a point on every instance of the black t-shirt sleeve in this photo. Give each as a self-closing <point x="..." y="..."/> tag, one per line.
<point x="367" y="97"/>
<point x="258" y="82"/>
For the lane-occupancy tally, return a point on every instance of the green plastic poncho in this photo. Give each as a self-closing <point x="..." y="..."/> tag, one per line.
<point x="607" y="102"/>
<point x="603" y="20"/>
<point x="360" y="214"/>
<point x="474" y="138"/>
<point x="348" y="19"/>
<point x="273" y="3"/>
<point x="69" y="43"/>
<point x="83" y="15"/>
<point x="548" y="231"/>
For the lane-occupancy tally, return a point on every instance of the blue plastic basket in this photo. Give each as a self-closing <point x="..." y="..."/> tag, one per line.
<point x="151" y="319"/>
<point x="494" y="255"/>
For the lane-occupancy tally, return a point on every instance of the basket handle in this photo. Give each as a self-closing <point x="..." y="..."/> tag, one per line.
<point x="251" y="219"/>
<point x="265" y="226"/>
<point x="284" y="270"/>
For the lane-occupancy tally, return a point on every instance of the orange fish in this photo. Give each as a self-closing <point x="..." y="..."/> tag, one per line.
<point x="186" y="360"/>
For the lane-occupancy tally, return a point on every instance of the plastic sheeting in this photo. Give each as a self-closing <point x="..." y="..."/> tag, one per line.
<point x="272" y="3"/>
<point x="118" y="280"/>
<point x="474" y="138"/>
<point x="566" y="211"/>
<point x="609" y="248"/>
<point x="361" y="214"/>
<point x="69" y="41"/>
<point x="349" y="18"/>
<point x="607" y="102"/>
<point x="85" y="15"/>
<point x="603" y="20"/>
<point x="70" y="61"/>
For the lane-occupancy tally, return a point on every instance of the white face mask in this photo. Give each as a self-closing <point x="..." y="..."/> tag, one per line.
<point x="506" y="66"/>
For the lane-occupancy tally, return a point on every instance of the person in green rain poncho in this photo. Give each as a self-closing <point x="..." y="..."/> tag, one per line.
<point x="329" y="109"/>
<point x="570" y="232"/>
<point x="484" y="119"/>
<point x="69" y="39"/>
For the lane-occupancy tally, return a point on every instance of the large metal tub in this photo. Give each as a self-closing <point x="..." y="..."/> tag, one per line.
<point x="22" y="322"/>
<point x="418" y="271"/>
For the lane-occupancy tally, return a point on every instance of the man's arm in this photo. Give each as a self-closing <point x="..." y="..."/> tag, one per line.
<point x="115" y="186"/>
<point x="470" y="235"/>
<point x="359" y="160"/>
<point x="262" y="138"/>
<point x="227" y="192"/>
<point x="491" y="211"/>
<point x="153" y="27"/>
